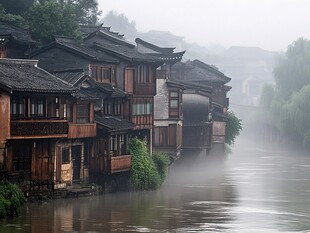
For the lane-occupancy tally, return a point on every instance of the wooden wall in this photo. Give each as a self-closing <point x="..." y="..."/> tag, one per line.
<point x="4" y="117"/>
<point x="82" y="130"/>
<point x="218" y="135"/>
<point x="56" y="59"/>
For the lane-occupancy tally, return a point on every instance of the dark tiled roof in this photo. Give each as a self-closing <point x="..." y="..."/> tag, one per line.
<point x="71" y="45"/>
<point x="113" y="123"/>
<point x="173" y="57"/>
<point x="212" y="73"/>
<point x="89" y="94"/>
<point x="24" y="75"/>
<point x="175" y="84"/>
<point x="130" y="54"/>
<point x="155" y="47"/>
<point x="74" y="77"/>
<point x="20" y="35"/>
<point x="196" y="86"/>
<point x="114" y="92"/>
<point x="87" y="29"/>
<point x="166" y="54"/>
<point x="91" y="30"/>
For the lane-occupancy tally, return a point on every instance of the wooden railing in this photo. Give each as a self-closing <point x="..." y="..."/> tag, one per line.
<point x="120" y="163"/>
<point x="39" y="128"/>
<point x="143" y="121"/>
<point x="82" y="130"/>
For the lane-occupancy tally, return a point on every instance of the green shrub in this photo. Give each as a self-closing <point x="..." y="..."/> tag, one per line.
<point x="161" y="162"/>
<point x="11" y="200"/>
<point x="145" y="173"/>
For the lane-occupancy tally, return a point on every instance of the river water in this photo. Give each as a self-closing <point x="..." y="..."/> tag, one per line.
<point x="258" y="189"/>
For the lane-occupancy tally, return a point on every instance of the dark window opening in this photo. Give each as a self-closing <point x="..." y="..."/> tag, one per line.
<point x="82" y="113"/>
<point x="65" y="156"/>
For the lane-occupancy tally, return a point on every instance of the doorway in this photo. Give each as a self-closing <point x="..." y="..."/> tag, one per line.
<point x="76" y="162"/>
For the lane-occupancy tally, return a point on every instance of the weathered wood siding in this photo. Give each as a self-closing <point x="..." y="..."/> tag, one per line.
<point x="120" y="163"/>
<point x="129" y="80"/>
<point x="145" y="89"/>
<point x="4" y="117"/>
<point x="218" y="132"/>
<point x="82" y="130"/>
<point x="55" y="59"/>
<point x="23" y="129"/>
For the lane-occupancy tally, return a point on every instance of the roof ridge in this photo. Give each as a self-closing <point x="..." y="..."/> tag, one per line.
<point x="32" y="62"/>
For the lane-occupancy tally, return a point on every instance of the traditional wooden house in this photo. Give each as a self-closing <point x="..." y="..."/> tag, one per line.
<point x="34" y="113"/>
<point x="197" y="123"/>
<point x="168" y="114"/>
<point x="203" y="74"/>
<point x="114" y="61"/>
<point x="109" y="151"/>
<point x="14" y="41"/>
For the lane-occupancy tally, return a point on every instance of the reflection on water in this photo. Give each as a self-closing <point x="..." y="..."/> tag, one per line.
<point x="257" y="190"/>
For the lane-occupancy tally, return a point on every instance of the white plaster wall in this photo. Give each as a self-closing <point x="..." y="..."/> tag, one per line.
<point x="161" y="103"/>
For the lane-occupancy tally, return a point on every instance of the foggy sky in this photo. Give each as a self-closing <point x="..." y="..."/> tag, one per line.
<point x="269" y="24"/>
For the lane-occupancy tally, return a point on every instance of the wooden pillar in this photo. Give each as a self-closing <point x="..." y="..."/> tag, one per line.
<point x="82" y="176"/>
<point x="120" y="144"/>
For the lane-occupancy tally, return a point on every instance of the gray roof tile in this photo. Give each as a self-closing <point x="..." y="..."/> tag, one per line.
<point x="24" y="75"/>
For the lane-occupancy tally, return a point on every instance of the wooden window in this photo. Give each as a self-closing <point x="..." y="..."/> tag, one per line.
<point x="82" y="113"/>
<point x="117" y="109"/>
<point x="103" y="74"/>
<point x="65" y="155"/>
<point x="18" y="107"/>
<point x="144" y="74"/>
<point x="22" y="157"/>
<point x="174" y="103"/>
<point x="142" y="106"/>
<point x="107" y="108"/>
<point x="142" y="109"/>
<point x="37" y="107"/>
<point x="69" y="112"/>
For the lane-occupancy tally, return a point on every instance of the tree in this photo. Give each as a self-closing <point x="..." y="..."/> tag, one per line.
<point x="86" y="10"/>
<point x="233" y="128"/>
<point x="120" y="23"/>
<point x="52" y="18"/>
<point x="16" y="7"/>
<point x="267" y="95"/>
<point x="293" y="71"/>
<point x="11" y="18"/>
<point x="298" y="113"/>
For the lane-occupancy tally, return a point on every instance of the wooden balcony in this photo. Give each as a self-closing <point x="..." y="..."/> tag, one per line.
<point x="145" y="89"/>
<point x="82" y="130"/>
<point x="143" y="121"/>
<point x="120" y="163"/>
<point x="23" y="129"/>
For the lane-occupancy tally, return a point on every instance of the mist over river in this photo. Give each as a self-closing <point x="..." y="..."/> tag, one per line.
<point x="258" y="189"/>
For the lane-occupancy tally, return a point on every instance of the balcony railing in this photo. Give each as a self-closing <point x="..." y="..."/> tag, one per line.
<point x="39" y="128"/>
<point x="143" y="121"/>
<point x="120" y="163"/>
<point x="82" y="130"/>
